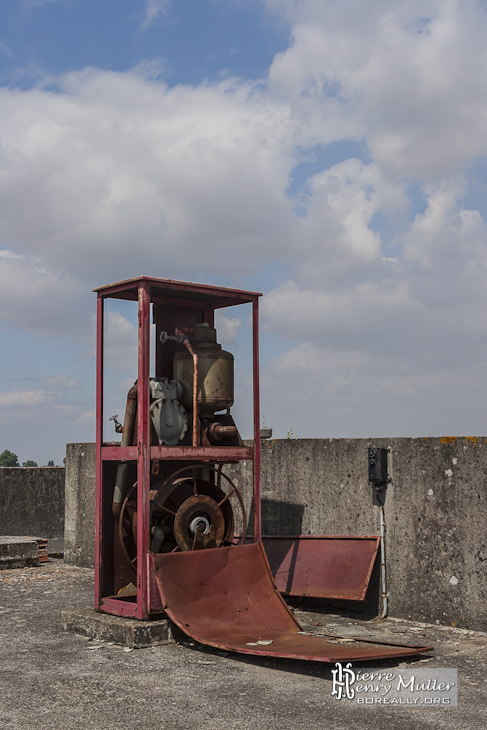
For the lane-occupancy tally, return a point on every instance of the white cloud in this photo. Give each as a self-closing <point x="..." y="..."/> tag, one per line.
<point x="372" y="315"/>
<point x="125" y="172"/>
<point x="326" y="370"/>
<point x="445" y="255"/>
<point x="20" y="399"/>
<point x="228" y="327"/>
<point x="115" y="175"/>
<point x="336" y="236"/>
<point x="60" y="383"/>
<point x="38" y="299"/>
<point x="322" y="391"/>
<point x="6" y="50"/>
<point x="40" y="3"/>
<point x="120" y="344"/>
<point x="37" y="423"/>
<point x="412" y="77"/>
<point x="430" y="297"/>
<point x="6" y="254"/>
<point x="152" y="10"/>
<point x="87" y="417"/>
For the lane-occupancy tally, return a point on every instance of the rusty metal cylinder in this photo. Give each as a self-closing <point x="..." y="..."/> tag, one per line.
<point x="215" y="373"/>
<point x="127" y="436"/>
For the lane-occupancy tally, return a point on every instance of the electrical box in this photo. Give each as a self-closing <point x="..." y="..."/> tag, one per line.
<point x="377" y="465"/>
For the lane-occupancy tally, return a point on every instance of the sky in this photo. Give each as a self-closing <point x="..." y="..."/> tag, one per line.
<point x="331" y="154"/>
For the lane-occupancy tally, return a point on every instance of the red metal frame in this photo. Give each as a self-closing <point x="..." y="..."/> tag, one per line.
<point x="189" y="296"/>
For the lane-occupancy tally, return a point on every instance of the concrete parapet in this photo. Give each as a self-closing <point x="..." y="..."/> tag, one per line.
<point x="32" y="501"/>
<point x="79" y="522"/>
<point x="435" y="513"/>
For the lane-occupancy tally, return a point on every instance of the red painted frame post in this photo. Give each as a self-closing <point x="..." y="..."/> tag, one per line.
<point x="98" y="446"/>
<point x="256" y="462"/>
<point x="143" y="460"/>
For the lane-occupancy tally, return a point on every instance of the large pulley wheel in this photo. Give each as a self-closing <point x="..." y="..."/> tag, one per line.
<point x="199" y="523"/>
<point x="195" y="512"/>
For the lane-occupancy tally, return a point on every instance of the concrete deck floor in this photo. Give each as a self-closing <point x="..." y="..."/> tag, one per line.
<point x="52" y="680"/>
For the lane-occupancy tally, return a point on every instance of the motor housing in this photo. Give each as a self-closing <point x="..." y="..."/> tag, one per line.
<point x="215" y="373"/>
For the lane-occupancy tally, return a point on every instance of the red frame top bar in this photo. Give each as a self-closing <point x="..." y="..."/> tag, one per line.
<point x="214" y="296"/>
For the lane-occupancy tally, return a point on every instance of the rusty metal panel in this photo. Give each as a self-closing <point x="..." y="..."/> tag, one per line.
<point x="322" y="566"/>
<point x="225" y="597"/>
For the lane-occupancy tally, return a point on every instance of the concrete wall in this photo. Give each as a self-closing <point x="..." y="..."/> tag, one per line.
<point x="32" y="501"/>
<point x="435" y="511"/>
<point x="79" y="523"/>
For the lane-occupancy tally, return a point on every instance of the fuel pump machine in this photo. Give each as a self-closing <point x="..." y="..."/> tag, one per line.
<point x="164" y="487"/>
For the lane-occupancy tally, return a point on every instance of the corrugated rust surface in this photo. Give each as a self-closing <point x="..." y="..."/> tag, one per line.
<point x="322" y="566"/>
<point x="225" y="597"/>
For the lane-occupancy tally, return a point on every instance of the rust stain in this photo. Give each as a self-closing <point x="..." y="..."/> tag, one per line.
<point x="448" y="439"/>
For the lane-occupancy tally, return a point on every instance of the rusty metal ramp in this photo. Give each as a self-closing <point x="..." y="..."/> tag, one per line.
<point x="322" y="566"/>
<point x="226" y="598"/>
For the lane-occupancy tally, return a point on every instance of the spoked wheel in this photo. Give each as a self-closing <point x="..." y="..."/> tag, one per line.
<point x="193" y="512"/>
<point x="127" y="526"/>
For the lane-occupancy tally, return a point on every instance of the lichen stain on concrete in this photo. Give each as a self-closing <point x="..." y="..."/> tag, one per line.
<point x="448" y="439"/>
<point x="472" y="439"/>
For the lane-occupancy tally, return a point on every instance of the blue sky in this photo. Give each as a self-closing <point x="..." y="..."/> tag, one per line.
<point x="196" y="41"/>
<point x="330" y="154"/>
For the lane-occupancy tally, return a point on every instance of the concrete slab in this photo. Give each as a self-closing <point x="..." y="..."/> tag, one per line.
<point x="124" y="631"/>
<point x="54" y="679"/>
<point x="55" y="547"/>
<point x="18" y="552"/>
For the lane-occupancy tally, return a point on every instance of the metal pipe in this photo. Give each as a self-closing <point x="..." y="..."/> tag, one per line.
<point x="383" y="561"/>
<point x="187" y="344"/>
<point x="218" y="431"/>
<point x="127" y="438"/>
